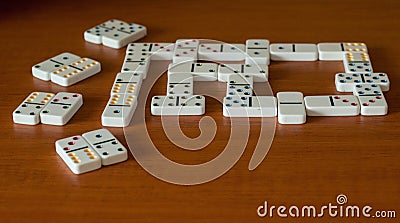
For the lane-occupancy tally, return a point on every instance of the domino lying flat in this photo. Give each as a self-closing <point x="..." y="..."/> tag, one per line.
<point x="249" y="106"/>
<point x="291" y="109"/>
<point x="371" y="99"/>
<point x="75" y="72"/>
<point x="108" y="147"/>
<point x="239" y="85"/>
<point x="336" y="105"/>
<point x="335" y="51"/>
<point x="293" y="52"/>
<point x="136" y="62"/>
<point x="78" y="154"/>
<point x="257" y="51"/>
<point x="61" y="108"/>
<point x="180" y="84"/>
<point x="185" y="50"/>
<point x="158" y="51"/>
<point x="221" y="52"/>
<point x="28" y="112"/>
<point x="45" y="68"/>
<point x="127" y="83"/>
<point x="357" y="63"/>
<point x="178" y="105"/>
<point x="259" y="72"/>
<point x="91" y="150"/>
<point x="119" y="110"/>
<point x="345" y="81"/>
<point x="200" y="71"/>
<point x="115" y="33"/>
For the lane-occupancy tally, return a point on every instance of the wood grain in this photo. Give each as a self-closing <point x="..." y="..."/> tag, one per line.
<point x="307" y="165"/>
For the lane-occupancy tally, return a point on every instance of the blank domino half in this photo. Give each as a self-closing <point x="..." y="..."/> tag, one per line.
<point x="28" y="112"/>
<point x="200" y="71"/>
<point x="249" y="106"/>
<point x="335" y="51"/>
<point x="75" y="72"/>
<point x="221" y="52"/>
<point x="259" y="72"/>
<point x="293" y="52"/>
<point x="61" y="108"/>
<point x="357" y="62"/>
<point x="345" y="81"/>
<point x="108" y="147"/>
<point x="291" y="108"/>
<point x="119" y="110"/>
<point x="257" y="51"/>
<point x="371" y="99"/>
<point x="79" y="156"/>
<point x="43" y="70"/>
<point x="332" y="105"/>
<point x="127" y="83"/>
<point x="115" y="33"/>
<point x="178" y="105"/>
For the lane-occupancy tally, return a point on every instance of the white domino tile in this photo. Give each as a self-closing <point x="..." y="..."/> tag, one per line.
<point x="75" y="72"/>
<point x="335" y="51"/>
<point x="78" y="154"/>
<point x="257" y="51"/>
<point x="332" y="105"/>
<point x="158" y="51"/>
<point x="178" y="105"/>
<point x="357" y="62"/>
<point x="43" y="70"/>
<point x="119" y="110"/>
<point x="259" y="72"/>
<point x="61" y="108"/>
<point x="28" y="112"/>
<point x="371" y="99"/>
<point x="291" y="108"/>
<point x="200" y="71"/>
<point x="345" y="81"/>
<point x="293" y="52"/>
<point x="115" y="33"/>
<point x="249" y="106"/>
<point x="108" y="147"/>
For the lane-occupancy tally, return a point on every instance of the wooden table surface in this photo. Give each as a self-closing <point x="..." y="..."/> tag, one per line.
<point x="308" y="164"/>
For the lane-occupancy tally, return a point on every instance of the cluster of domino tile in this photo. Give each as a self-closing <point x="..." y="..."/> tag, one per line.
<point x="115" y="33"/>
<point x="48" y="108"/>
<point x="66" y="69"/>
<point x="90" y="151"/>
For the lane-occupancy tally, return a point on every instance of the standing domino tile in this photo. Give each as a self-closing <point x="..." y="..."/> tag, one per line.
<point x="119" y="110"/>
<point x="136" y="62"/>
<point x="178" y="105"/>
<point x="108" y="147"/>
<point x="61" y="108"/>
<point x="75" y="72"/>
<point x="293" y="52"/>
<point x="43" y="69"/>
<point x="78" y="154"/>
<point x="180" y="84"/>
<point x="335" y="51"/>
<point x="357" y="63"/>
<point x="221" y="52"/>
<point x="337" y="105"/>
<point x="291" y="109"/>
<point x="115" y="33"/>
<point x="158" y="51"/>
<point x="200" y="71"/>
<point x="127" y="83"/>
<point x="239" y="85"/>
<point x="259" y="72"/>
<point x="29" y="110"/>
<point x="185" y="50"/>
<point x="249" y="106"/>
<point x="257" y="51"/>
<point x="371" y="99"/>
<point x="345" y="81"/>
